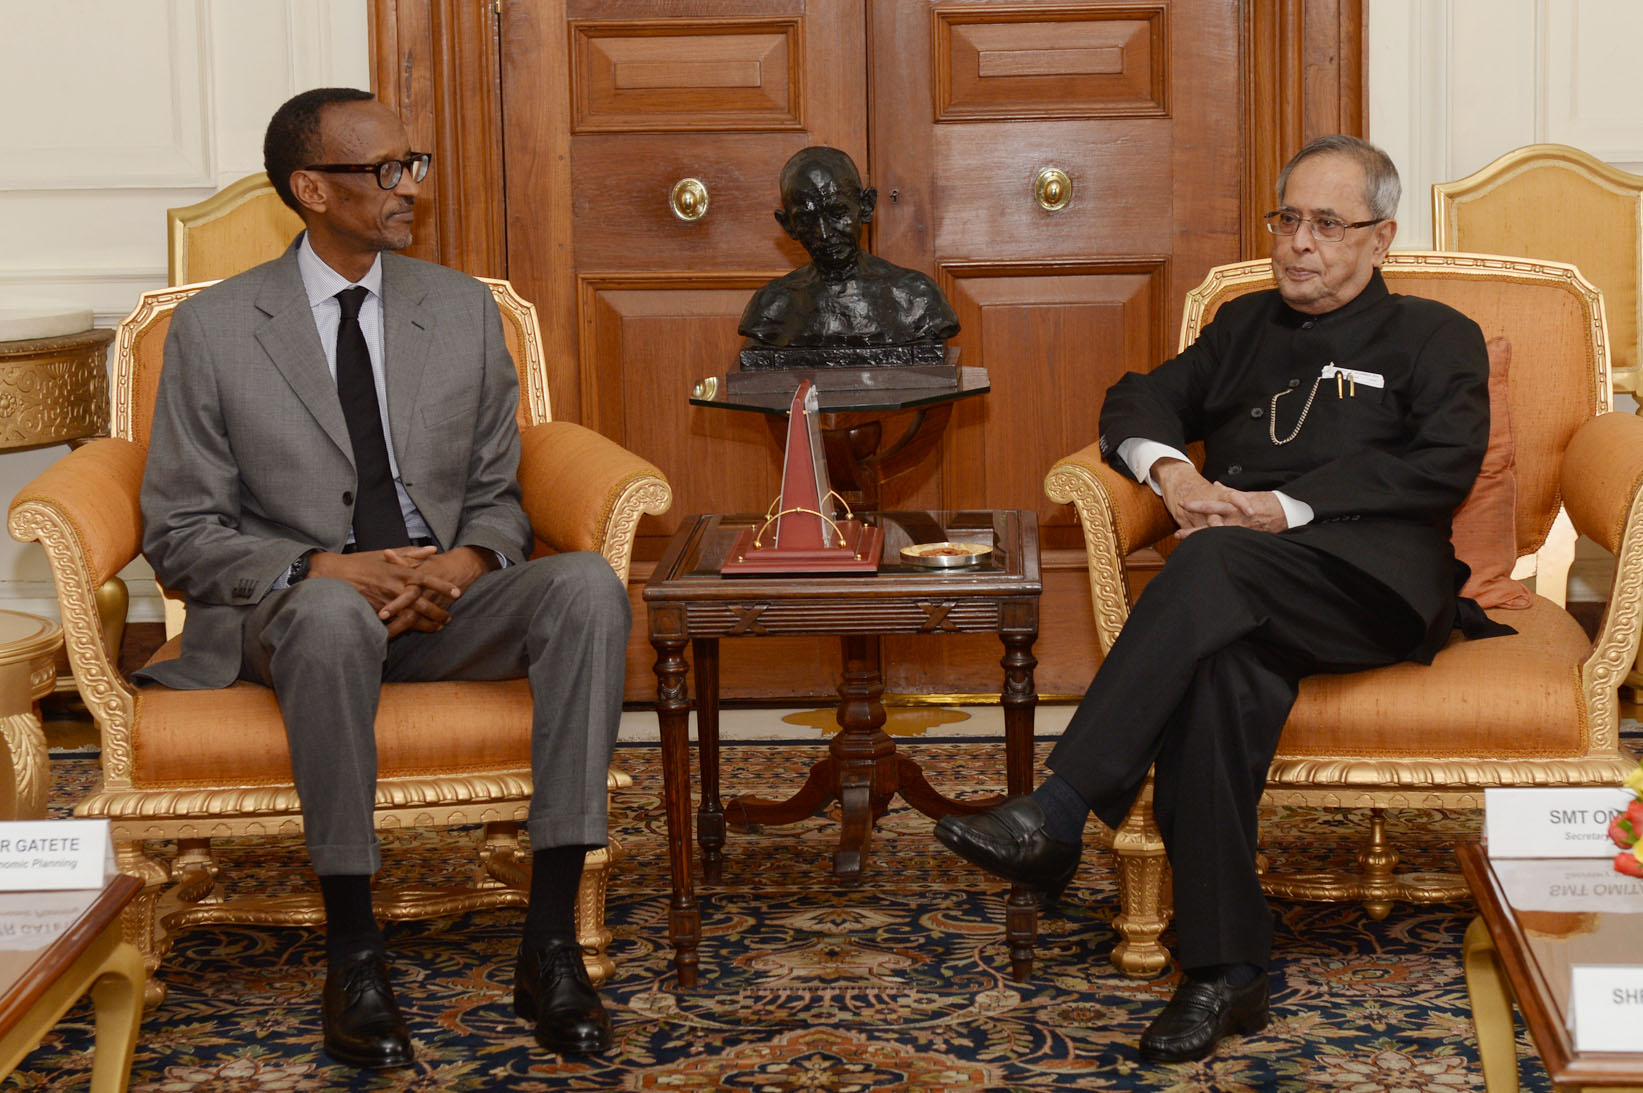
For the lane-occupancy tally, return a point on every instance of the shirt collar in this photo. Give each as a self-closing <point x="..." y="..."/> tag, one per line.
<point x="321" y="282"/>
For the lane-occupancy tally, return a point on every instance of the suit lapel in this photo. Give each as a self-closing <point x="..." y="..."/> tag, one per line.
<point x="288" y="336"/>
<point x="407" y="337"/>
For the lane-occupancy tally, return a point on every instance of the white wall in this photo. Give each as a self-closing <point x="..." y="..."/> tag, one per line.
<point x="115" y="111"/>
<point x="1453" y="84"/>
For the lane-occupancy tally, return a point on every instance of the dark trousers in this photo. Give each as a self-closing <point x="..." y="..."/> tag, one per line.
<point x="1199" y="684"/>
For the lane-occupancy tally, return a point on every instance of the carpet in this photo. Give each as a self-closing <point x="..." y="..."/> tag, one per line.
<point x="899" y="984"/>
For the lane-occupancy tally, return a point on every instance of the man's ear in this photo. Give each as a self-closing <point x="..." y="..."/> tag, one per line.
<point x="869" y="202"/>
<point x="1385" y="232"/>
<point x="786" y="222"/>
<point x="308" y="191"/>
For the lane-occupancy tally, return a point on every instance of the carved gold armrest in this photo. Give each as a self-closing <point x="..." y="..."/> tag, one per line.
<point x="583" y="491"/>
<point x="1117" y="516"/>
<point x="84" y="511"/>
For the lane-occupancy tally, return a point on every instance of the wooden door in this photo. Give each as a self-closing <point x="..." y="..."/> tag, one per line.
<point x="1137" y="105"/>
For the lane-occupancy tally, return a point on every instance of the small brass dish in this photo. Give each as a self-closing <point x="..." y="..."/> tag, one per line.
<point x="945" y="555"/>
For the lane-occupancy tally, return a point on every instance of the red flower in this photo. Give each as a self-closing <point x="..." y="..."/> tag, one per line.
<point x="1627" y="863"/>
<point x="1622" y="832"/>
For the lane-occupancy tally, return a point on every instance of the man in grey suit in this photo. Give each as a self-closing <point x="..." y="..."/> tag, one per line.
<point x="332" y="486"/>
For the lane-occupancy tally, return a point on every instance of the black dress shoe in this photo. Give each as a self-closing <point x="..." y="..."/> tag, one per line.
<point x="362" y="1023"/>
<point x="1010" y="842"/>
<point x="551" y="988"/>
<point x="1202" y="1014"/>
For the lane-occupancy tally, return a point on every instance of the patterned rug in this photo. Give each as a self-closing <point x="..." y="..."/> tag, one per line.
<point x="899" y="984"/>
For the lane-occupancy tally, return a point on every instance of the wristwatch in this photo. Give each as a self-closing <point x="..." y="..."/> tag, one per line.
<point x="299" y="568"/>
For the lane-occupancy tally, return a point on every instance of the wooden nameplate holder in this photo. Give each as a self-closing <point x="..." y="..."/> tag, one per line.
<point x="803" y="531"/>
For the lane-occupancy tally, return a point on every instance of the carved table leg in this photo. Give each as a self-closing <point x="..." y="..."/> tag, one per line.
<point x="863" y="754"/>
<point x="710" y="812"/>
<point x="1020" y="701"/>
<point x="673" y="714"/>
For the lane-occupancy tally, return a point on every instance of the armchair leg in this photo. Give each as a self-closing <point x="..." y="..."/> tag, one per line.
<point x="1143" y="897"/>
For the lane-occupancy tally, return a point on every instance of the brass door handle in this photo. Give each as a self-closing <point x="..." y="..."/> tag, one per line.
<point x="1053" y="189"/>
<point x="688" y="199"/>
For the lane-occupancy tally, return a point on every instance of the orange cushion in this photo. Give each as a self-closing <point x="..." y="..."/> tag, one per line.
<point x="1517" y="696"/>
<point x="235" y="737"/>
<point x="1485" y="529"/>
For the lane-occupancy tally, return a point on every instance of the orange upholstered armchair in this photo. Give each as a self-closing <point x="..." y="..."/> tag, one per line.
<point x="193" y="766"/>
<point x="1536" y="708"/>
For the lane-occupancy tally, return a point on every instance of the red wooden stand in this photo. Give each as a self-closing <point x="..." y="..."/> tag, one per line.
<point x="810" y="535"/>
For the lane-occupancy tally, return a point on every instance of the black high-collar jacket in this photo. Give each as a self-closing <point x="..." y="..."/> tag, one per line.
<point x="1382" y="467"/>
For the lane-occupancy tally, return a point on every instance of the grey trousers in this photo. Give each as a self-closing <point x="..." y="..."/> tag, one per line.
<point x="561" y="621"/>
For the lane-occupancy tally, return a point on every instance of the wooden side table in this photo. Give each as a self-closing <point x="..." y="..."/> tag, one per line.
<point x="41" y="984"/>
<point x="1505" y="960"/>
<point x="28" y="672"/>
<point x="689" y="601"/>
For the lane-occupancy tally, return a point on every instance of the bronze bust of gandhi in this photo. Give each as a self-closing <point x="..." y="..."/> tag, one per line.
<point x="873" y="313"/>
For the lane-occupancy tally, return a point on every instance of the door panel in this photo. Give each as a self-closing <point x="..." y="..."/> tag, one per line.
<point x="646" y="339"/>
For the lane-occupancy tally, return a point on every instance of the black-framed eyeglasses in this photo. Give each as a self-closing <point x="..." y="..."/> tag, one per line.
<point x="388" y="172"/>
<point x="1331" y="229"/>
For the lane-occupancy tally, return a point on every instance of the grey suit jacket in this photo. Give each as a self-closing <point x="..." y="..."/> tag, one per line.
<point x="249" y="462"/>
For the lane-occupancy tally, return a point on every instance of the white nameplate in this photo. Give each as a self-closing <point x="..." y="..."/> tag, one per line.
<point x="1551" y="823"/>
<point x="1606" y="1004"/>
<point x="41" y="855"/>
<point x="1584" y="884"/>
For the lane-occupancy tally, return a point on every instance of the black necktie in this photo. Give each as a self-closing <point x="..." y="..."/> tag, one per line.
<point x="377" y="520"/>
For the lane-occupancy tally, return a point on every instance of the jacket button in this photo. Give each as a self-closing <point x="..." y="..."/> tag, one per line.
<point x="1257" y="412"/>
<point x="1236" y="468"/>
<point x="347" y="497"/>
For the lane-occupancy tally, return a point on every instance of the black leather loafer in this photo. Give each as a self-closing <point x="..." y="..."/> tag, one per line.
<point x="551" y="988"/>
<point x="1010" y="842"/>
<point x="1202" y="1014"/>
<point x="362" y="1023"/>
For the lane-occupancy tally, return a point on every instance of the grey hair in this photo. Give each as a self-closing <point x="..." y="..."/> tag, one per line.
<point x="1381" y="186"/>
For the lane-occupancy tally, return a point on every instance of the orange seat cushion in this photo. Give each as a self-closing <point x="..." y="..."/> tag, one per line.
<point x="235" y="736"/>
<point x="1508" y="697"/>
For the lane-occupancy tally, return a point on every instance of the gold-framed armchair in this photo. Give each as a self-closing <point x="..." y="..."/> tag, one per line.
<point x="193" y="766"/>
<point x="1501" y="208"/>
<point x="1537" y="708"/>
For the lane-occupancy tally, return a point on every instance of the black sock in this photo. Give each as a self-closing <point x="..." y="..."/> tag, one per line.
<point x="349" y="925"/>
<point x="1064" y="810"/>
<point x="1236" y="975"/>
<point x="556" y="874"/>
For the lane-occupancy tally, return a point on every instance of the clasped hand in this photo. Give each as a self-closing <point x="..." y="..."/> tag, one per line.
<point x="411" y="588"/>
<point x="1197" y="503"/>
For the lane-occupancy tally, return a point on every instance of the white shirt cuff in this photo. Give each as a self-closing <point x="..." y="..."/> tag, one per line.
<point x="1139" y="454"/>
<point x="1296" y="512"/>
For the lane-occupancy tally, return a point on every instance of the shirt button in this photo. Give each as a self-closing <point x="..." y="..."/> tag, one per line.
<point x="1236" y="468"/>
<point x="347" y="497"/>
<point x="1257" y="412"/>
<point x="1308" y="325"/>
<point x="1294" y="383"/>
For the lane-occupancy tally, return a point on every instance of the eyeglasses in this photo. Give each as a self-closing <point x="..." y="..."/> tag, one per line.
<point x="388" y="172"/>
<point x="1330" y="229"/>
